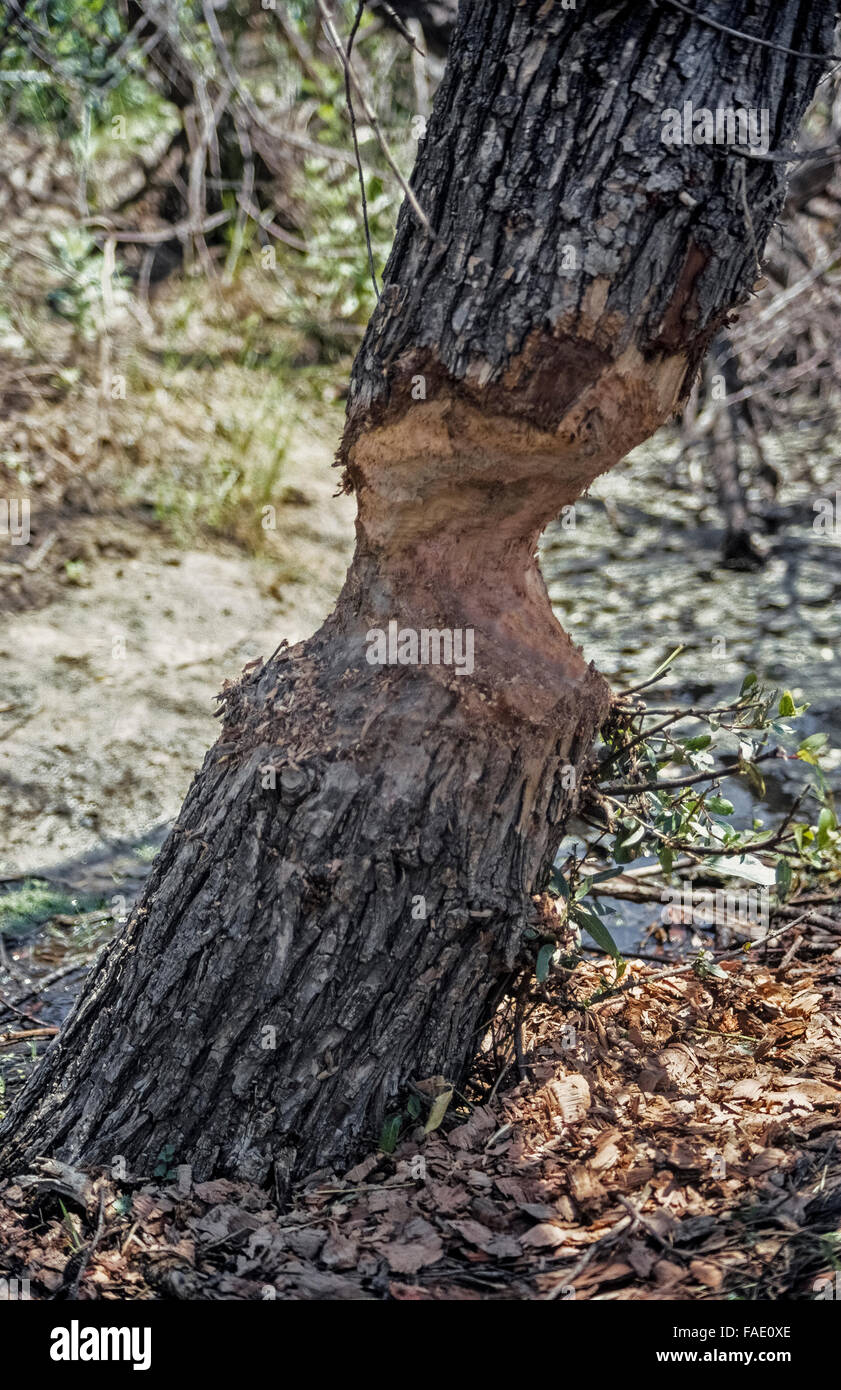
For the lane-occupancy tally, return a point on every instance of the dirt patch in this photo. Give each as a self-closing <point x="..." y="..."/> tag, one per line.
<point x="107" y="696"/>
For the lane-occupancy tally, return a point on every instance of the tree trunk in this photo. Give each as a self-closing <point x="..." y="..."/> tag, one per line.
<point x="738" y="550"/>
<point x="303" y="952"/>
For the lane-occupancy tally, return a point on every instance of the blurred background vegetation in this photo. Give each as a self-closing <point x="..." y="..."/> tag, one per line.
<point x="184" y="275"/>
<point x="183" y="224"/>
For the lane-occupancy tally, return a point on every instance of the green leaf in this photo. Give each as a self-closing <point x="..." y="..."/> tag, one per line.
<point x="628" y="836"/>
<point x="664" y="665"/>
<point x="438" y="1109"/>
<point x="811" y="747"/>
<point x="826" y="824"/>
<point x="748" y="683"/>
<point x="595" y="928"/>
<point x="693" y="744"/>
<point x="666" y="857"/>
<point x="390" y="1133"/>
<point x="783" y="878"/>
<point x="754" y="776"/>
<point x="786" y="705"/>
<point x="706" y="968"/>
<point x="559" y="885"/>
<point x="720" y="805"/>
<point x="544" y="960"/>
<point x="747" y="866"/>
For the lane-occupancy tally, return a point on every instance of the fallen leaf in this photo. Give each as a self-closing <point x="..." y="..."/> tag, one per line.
<point x="419" y="1245"/>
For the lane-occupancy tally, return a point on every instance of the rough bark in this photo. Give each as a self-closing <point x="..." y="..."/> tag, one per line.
<point x="292" y="909"/>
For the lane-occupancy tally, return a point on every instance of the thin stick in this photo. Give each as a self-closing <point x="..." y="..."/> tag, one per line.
<point x="371" y="117"/>
<point x="355" y="137"/>
<point x="625" y="1223"/>
<point x="658" y="674"/>
<point x="21" y="1013"/>
<point x="73" y="1291"/>
<point x="11" y="1039"/>
<point x="679" y="970"/>
<point x="752" y="38"/>
<point x="729" y="769"/>
<point x="400" y="26"/>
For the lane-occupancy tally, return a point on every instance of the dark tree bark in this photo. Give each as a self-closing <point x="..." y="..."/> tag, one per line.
<point x="297" y="909"/>
<point x="738" y="550"/>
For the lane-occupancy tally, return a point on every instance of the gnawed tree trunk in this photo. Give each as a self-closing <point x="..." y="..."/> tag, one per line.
<point x="578" y="270"/>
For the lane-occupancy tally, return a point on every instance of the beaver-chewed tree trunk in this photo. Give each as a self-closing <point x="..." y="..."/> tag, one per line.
<point x="352" y="871"/>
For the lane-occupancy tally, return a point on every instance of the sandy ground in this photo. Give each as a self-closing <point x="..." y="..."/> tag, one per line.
<point x="106" y="699"/>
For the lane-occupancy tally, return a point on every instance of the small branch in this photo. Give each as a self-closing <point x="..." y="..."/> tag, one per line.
<point x="518" y="1030"/>
<point x="658" y="674"/>
<point x="811" y="916"/>
<point x="729" y="770"/>
<point x="824" y="58"/>
<point x="698" y="851"/>
<point x="401" y="28"/>
<point x="625" y="1225"/>
<point x="12" y="1039"/>
<point x="681" y="969"/>
<point x="179" y="231"/>
<point x="355" y="136"/>
<point x="73" y="1290"/>
<point x="21" y="1013"/>
<point x="371" y="117"/>
<point x="265" y="223"/>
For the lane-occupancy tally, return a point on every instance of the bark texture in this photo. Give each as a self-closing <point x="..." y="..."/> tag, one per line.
<point x="498" y="377"/>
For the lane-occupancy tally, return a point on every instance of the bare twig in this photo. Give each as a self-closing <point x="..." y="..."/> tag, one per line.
<point x="73" y="1290"/>
<point x="178" y="231"/>
<point x="21" y="1013"/>
<point x="355" y="137"/>
<point x="825" y="58"/>
<point x="371" y="117"/>
<point x="625" y="1225"/>
<point x="12" y="1039"/>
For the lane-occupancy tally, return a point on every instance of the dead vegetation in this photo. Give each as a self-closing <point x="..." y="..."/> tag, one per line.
<point x="677" y="1141"/>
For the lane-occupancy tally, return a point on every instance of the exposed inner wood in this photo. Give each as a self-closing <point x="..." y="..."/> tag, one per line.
<point x="453" y="495"/>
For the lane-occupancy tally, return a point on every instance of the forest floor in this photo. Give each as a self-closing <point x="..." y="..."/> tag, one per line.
<point x="679" y="1140"/>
